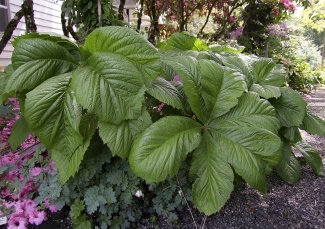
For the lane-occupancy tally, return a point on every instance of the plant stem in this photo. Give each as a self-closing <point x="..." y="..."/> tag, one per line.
<point x="188" y="206"/>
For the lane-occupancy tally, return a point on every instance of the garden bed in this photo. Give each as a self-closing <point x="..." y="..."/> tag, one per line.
<point x="301" y="205"/>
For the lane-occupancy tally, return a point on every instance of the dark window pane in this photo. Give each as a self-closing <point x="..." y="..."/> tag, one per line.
<point x="3" y="2"/>
<point x="3" y="19"/>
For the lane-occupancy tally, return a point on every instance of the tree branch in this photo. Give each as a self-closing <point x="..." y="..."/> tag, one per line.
<point x="12" y="25"/>
<point x="208" y="16"/>
<point x="64" y="26"/>
<point x="29" y="16"/>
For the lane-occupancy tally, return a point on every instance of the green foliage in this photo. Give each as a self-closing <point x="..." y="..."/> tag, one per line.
<point x="19" y="133"/>
<point x="185" y="41"/>
<point x="227" y="115"/>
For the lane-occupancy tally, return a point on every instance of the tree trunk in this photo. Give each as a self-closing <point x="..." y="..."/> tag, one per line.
<point x="121" y="9"/>
<point x="29" y="16"/>
<point x="10" y="29"/>
<point x="99" y="6"/>
<point x="154" y="30"/>
<point x="323" y="55"/>
<point x="140" y="13"/>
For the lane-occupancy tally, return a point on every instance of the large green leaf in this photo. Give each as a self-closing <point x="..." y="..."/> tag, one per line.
<point x="68" y="162"/>
<point x="110" y="86"/>
<point x="166" y="92"/>
<point x="312" y="157"/>
<point x="187" y="68"/>
<point x="157" y="153"/>
<point x="290" y="107"/>
<point x="53" y="114"/>
<point x="289" y="168"/>
<point x="126" y="42"/>
<point x="19" y="133"/>
<point x="119" y="138"/>
<point x="185" y="41"/>
<point x="36" y="60"/>
<point x="221" y="88"/>
<point x="251" y="111"/>
<point x="247" y="135"/>
<point x="54" y="37"/>
<point x="214" y="184"/>
<point x="313" y="124"/>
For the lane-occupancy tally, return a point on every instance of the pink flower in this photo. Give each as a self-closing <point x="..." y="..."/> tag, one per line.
<point x="52" y="208"/>
<point x="36" y="171"/>
<point x="160" y="107"/>
<point x="37" y="217"/>
<point x="17" y="221"/>
<point x="159" y="4"/>
<point x="232" y="19"/>
<point x="177" y="79"/>
<point x="25" y="207"/>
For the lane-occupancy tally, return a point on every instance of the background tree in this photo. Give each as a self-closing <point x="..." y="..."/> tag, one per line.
<point x="88" y="15"/>
<point x="314" y="19"/>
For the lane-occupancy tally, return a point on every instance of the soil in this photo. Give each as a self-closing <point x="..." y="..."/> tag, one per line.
<point x="301" y="205"/>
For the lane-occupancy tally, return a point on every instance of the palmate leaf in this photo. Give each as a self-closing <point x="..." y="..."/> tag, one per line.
<point x="53" y="114"/>
<point x="214" y="184"/>
<point x="245" y="147"/>
<point x="221" y="88"/>
<point x="110" y="86"/>
<point x="157" y="153"/>
<point x="36" y="60"/>
<point x="263" y="75"/>
<point x="312" y="157"/>
<point x="289" y="168"/>
<point x="267" y="72"/>
<point x="240" y="64"/>
<point x="290" y="108"/>
<point x="166" y="92"/>
<point x="68" y="162"/>
<point x="313" y="124"/>
<point x="119" y="138"/>
<point x="125" y="42"/>
<point x="247" y="140"/>
<point x="189" y="73"/>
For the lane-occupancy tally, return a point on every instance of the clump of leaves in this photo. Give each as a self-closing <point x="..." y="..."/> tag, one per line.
<point x="231" y="113"/>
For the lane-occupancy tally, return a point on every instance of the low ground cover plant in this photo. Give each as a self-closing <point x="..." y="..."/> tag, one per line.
<point x="219" y="116"/>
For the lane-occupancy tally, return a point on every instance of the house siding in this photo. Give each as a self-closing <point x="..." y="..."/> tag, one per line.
<point x="47" y="18"/>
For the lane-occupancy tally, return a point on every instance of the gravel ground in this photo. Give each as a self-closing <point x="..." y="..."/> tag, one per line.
<point x="301" y="205"/>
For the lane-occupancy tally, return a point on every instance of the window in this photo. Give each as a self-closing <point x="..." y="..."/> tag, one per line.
<point x="4" y="15"/>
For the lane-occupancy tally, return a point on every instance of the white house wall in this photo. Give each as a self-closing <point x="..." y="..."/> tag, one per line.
<point x="47" y="16"/>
